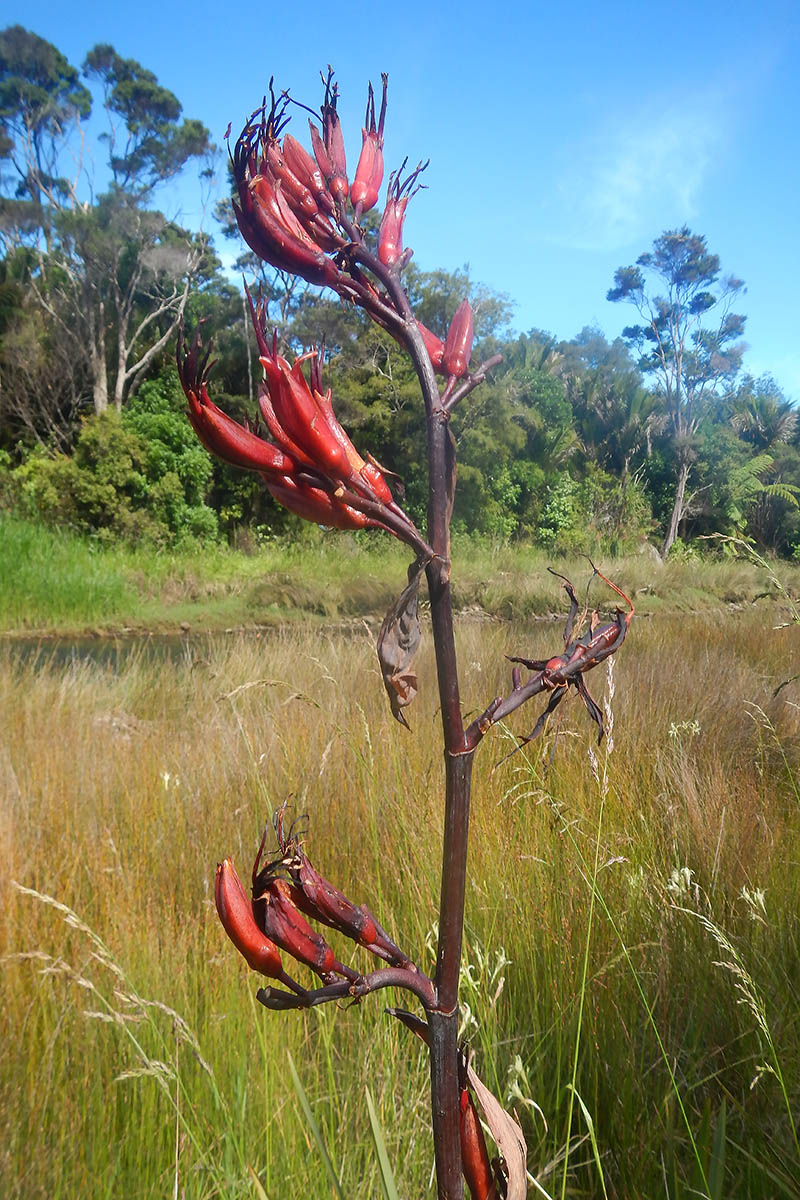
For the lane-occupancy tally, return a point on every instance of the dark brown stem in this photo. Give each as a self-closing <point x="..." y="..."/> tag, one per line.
<point x="443" y="1018"/>
<point x="500" y="708"/>
<point x="343" y="989"/>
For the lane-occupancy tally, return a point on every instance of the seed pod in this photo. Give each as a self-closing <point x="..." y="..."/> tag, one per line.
<point x="236" y="914"/>
<point x="313" y="504"/>
<point x="433" y="344"/>
<point x="324" y="902"/>
<point x="474" y="1155"/>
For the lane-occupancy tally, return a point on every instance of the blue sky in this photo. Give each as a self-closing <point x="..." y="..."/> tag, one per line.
<point x="562" y="140"/>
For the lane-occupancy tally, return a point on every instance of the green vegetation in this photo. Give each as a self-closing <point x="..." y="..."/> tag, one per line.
<point x="575" y="445"/>
<point x="57" y="582"/>
<point x="688" y="1031"/>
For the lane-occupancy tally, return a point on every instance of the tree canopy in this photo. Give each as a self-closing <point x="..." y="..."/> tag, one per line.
<point x="576" y="444"/>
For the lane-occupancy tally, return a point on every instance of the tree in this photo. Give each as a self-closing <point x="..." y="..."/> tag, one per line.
<point x="761" y="414"/>
<point x="674" y="288"/>
<point x="41" y="102"/>
<point x="111" y="274"/>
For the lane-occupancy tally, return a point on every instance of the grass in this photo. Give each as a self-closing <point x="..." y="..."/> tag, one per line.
<point x="632" y="984"/>
<point x="54" y="583"/>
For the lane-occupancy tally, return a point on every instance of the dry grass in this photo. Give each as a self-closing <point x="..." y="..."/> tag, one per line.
<point x="124" y="785"/>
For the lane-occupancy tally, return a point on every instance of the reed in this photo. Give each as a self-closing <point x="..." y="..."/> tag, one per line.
<point x="597" y="992"/>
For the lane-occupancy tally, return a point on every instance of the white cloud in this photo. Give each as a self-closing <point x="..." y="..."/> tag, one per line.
<point x="639" y="172"/>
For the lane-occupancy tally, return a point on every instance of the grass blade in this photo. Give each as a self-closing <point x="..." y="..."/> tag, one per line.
<point x="587" y="1116"/>
<point x="258" y="1186"/>
<point x="390" y="1191"/>
<point x="716" y="1172"/>
<point x="316" y="1132"/>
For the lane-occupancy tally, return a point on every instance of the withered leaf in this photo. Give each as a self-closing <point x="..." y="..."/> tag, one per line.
<point x="398" y="642"/>
<point x="507" y="1135"/>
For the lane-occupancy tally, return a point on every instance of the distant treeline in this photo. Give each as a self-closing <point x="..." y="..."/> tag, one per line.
<point x="573" y="445"/>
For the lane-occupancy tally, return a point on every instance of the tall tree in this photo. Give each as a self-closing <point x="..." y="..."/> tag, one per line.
<point x="113" y="272"/>
<point x="675" y="289"/>
<point x="41" y="102"/>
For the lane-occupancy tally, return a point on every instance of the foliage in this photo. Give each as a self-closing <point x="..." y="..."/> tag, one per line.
<point x="690" y="360"/>
<point x="137" y="476"/>
<point x="108" y="274"/>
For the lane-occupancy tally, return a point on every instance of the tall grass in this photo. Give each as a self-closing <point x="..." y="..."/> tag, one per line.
<point x="600" y="1001"/>
<point x="58" y="582"/>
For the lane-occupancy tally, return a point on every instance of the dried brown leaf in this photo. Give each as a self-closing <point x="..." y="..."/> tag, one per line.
<point x="507" y="1135"/>
<point x="398" y="642"/>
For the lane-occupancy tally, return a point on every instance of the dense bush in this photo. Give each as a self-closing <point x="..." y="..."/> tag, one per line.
<point x="141" y="475"/>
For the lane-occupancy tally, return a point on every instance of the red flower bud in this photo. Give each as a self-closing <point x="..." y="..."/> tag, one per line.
<point x="312" y="504"/>
<point x="366" y="186"/>
<point x="218" y="432"/>
<point x="329" y="152"/>
<point x="433" y="344"/>
<point x="390" y="235"/>
<point x="236" y="915"/>
<point x="458" y="347"/>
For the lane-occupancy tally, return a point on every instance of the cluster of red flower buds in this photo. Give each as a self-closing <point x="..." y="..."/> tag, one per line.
<point x="311" y="467"/>
<point x="300" y="213"/>
<point x="285" y="892"/>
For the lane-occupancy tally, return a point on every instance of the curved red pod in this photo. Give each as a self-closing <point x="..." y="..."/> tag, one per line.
<point x="236" y="914"/>
<point x="271" y="420"/>
<point x="312" y="504"/>
<point x="230" y="441"/>
<point x="286" y="925"/>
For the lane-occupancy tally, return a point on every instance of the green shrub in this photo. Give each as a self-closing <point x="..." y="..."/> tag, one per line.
<point x="139" y="476"/>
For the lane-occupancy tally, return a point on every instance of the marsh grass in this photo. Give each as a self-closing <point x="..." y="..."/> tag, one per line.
<point x="597" y="1004"/>
<point x="55" y="582"/>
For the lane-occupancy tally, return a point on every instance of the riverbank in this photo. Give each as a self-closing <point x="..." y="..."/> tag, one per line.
<point x="57" y="584"/>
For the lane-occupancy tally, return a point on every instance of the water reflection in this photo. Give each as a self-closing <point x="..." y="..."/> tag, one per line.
<point x="110" y="653"/>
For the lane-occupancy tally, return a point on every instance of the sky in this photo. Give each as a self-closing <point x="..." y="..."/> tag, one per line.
<point x="562" y="139"/>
